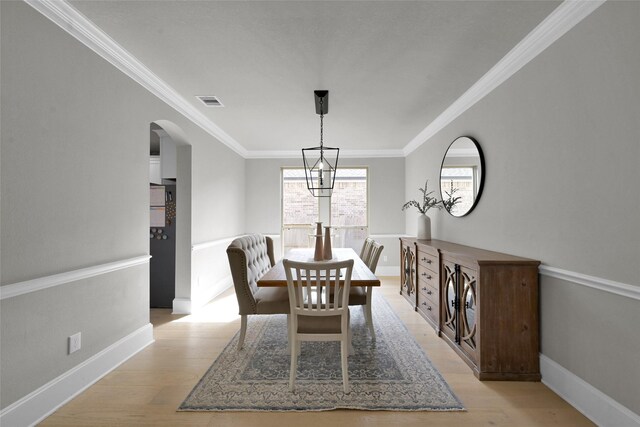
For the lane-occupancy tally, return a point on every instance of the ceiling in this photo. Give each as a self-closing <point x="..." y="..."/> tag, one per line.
<point x="391" y="67"/>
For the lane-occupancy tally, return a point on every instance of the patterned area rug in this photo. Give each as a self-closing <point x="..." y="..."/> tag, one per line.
<point x="392" y="373"/>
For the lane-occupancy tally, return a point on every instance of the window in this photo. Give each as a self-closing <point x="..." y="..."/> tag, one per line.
<point x="349" y="207"/>
<point x="346" y="210"/>
<point x="462" y="181"/>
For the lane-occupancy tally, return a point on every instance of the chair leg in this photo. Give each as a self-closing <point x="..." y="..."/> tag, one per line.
<point x="289" y="329"/>
<point x="369" y="315"/>
<point x="294" y="364"/>
<point x="345" y="364"/>
<point x="243" y="330"/>
<point x="350" y="343"/>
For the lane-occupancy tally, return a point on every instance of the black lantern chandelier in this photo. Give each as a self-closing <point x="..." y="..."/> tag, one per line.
<point x="320" y="163"/>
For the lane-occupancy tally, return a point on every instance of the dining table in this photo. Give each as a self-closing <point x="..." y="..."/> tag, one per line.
<point x="360" y="275"/>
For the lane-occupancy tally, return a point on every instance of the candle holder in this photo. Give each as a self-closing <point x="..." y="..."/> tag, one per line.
<point x="318" y="255"/>
<point x="327" y="243"/>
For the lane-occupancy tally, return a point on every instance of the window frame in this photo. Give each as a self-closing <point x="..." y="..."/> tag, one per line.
<point x="320" y="200"/>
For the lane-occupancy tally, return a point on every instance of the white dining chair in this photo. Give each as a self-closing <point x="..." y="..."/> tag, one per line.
<point x="366" y="248"/>
<point x="363" y="296"/>
<point x="319" y="311"/>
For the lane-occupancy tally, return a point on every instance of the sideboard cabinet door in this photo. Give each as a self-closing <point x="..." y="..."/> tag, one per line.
<point x="449" y="306"/>
<point x="408" y="270"/>
<point x="468" y="311"/>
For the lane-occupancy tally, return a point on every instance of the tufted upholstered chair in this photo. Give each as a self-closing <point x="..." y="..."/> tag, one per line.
<point x="250" y="257"/>
<point x="359" y="295"/>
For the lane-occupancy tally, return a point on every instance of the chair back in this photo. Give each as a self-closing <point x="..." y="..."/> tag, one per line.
<point x="366" y="248"/>
<point x="374" y="256"/>
<point x="314" y="289"/>
<point x="250" y="257"/>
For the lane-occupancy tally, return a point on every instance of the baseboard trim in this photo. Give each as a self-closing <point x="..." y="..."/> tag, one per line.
<point x="41" y="403"/>
<point x="591" y="402"/>
<point x="206" y="297"/>
<point x="181" y="306"/>
<point x="21" y="288"/>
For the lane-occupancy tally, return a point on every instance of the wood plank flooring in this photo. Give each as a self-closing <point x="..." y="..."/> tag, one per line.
<point x="147" y="389"/>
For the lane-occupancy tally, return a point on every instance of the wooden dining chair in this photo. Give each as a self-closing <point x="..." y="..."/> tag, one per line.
<point x="359" y="295"/>
<point x="319" y="311"/>
<point x="374" y="256"/>
<point x="366" y="248"/>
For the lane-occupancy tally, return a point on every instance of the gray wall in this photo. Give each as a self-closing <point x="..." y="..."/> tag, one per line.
<point x="386" y="181"/>
<point x="560" y="140"/>
<point x="74" y="185"/>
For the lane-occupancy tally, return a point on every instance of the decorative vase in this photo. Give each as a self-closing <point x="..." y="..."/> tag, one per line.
<point x="327" y="243"/>
<point x="424" y="227"/>
<point x="318" y="255"/>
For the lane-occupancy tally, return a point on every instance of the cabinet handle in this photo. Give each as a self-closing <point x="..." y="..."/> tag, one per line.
<point x="428" y="276"/>
<point x="427" y="260"/>
<point x="424" y="288"/>
<point x="428" y="306"/>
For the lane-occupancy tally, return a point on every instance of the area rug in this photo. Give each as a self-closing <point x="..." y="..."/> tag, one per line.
<point x="391" y="373"/>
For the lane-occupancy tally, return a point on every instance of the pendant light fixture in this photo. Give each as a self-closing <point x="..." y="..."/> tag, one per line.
<point x="320" y="163"/>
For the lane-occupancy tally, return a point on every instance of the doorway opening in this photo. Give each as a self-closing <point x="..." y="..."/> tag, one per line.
<point x="170" y="217"/>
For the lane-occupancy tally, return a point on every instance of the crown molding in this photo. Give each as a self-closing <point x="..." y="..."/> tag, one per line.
<point x="561" y="20"/>
<point x="291" y="154"/>
<point x="77" y="25"/>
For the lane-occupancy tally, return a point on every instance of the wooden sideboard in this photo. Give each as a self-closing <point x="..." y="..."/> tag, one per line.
<point x="484" y="304"/>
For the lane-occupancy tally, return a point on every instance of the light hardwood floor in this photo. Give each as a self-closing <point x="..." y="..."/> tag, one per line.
<point x="147" y="389"/>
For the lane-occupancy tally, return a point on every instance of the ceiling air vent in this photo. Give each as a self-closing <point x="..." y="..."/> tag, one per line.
<point x="210" y="101"/>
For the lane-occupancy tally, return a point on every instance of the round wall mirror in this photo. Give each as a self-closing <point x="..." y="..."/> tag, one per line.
<point x="461" y="176"/>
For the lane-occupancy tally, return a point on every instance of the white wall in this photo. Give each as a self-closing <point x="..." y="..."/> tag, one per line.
<point x="74" y="186"/>
<point x="561" y="144"/>
<point x="386" y="184"/>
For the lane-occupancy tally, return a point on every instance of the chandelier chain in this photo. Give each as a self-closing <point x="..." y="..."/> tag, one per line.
<point x="321" y="123"/>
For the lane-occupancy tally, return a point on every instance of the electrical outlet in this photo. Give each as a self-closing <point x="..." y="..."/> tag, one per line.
<point x="384" y="258"/>
<point x="75" y="342"/>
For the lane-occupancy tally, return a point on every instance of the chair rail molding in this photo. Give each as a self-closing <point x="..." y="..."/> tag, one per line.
<point x="606" y="285"/>
<point x="561" y="20"/>
<point x="211" y="243"/>
<point x="77" y="25"/>
<point x="33" y="285"/>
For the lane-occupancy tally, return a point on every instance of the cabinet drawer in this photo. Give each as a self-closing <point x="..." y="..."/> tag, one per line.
<point x="428" y="310"/>
<point x="428" y="261"/>
<point x="428" y="292"/>
<point x="428" y="278"/>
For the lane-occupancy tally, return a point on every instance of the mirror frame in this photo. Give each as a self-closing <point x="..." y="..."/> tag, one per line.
<point x="482" y="177"/>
